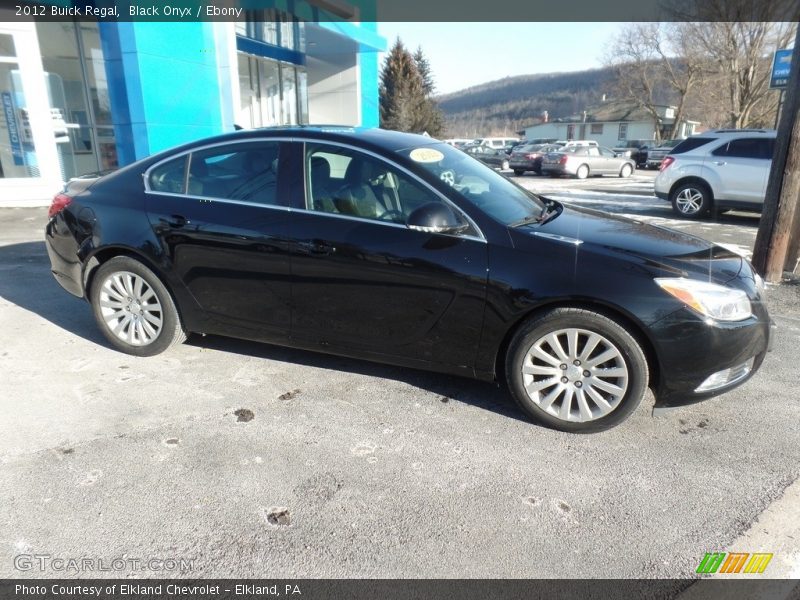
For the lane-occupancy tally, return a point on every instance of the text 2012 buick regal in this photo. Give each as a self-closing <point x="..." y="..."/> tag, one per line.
<point x="395" y="248"/>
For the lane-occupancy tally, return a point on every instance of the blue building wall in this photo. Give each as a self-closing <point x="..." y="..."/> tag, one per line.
<point x="165" y="85"/>
<point x="170" y="83"/>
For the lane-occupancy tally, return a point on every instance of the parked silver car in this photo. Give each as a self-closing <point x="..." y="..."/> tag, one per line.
<point x="717" y="170"/>
<point x="583" y="161"/>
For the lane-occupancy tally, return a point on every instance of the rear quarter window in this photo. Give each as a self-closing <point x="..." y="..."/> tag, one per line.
<point x="169" y="177"/>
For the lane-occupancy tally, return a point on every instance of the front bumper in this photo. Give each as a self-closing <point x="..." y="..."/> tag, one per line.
<point x="693" y="350"/>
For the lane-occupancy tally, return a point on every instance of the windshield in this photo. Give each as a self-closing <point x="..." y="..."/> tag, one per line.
<point x="479" y="184"/>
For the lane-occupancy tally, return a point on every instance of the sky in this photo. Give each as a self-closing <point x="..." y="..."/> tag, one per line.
<point x="466" y="54"/>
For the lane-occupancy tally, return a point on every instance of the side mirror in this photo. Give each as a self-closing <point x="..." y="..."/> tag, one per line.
<point x="435" y="217"/>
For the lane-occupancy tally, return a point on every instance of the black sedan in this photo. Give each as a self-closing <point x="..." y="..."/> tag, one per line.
<point x="494" y="157"/>
<point x="390" y="247"/>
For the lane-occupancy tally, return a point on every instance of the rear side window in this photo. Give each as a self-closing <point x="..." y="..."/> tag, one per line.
<point x="246" y="172"/>
<point x="169" y="177"/>
<point x="690" y="144"/>
<point x="746" y="148"/>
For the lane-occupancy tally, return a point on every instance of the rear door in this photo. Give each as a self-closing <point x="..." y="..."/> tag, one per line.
<point x="220" y="216"/>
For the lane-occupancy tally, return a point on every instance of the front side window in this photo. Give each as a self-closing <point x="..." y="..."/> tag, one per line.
<point x="246" y="172"/>
<point x="745" y="148"/>
<point x="346" y="182"/>
<point x="495" y="195"/>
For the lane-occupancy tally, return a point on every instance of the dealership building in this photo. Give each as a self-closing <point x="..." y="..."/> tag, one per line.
<point x="81" y="96"/>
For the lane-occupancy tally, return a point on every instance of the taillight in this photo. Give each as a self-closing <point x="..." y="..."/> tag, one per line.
<point x="563" y="160"/>
<point x="668" y="160"/>
<point x="60" y="202"/>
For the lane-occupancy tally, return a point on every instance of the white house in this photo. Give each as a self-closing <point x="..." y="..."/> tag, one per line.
<point x="613" y="124"/>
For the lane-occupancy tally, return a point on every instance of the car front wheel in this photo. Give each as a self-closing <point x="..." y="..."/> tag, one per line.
<point x="691" y="200"/>
<point x="626" y="170"/>
<point x="134" y="310"/>
<point x="576" y="370"/>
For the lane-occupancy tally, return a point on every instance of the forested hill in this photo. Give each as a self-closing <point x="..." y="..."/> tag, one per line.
<point x="506" y="105"/>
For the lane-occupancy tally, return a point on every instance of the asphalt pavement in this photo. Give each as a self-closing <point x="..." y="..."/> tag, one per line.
<point x="250" y="460"/>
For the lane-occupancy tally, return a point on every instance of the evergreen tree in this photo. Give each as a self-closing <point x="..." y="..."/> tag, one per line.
<point x="424" y="69"/>
<point x="405" y="105"/>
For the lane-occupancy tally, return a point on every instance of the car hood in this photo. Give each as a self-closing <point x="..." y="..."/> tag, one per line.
<point x="658" y="247"/>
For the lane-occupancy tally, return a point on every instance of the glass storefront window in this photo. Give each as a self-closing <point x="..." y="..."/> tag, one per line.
<point x="271" y="93"/>
<point x="17" y="150"/>
<point x="75" y="73"/>
<point x="289" y="97"/>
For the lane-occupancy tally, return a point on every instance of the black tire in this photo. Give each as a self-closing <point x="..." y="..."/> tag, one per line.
<point x="582" y="172"/>
<point x="170" y="331"/>
<point x="629" y="352"/>
<point x="519" y="172"/>
<point x="691" y="200"/>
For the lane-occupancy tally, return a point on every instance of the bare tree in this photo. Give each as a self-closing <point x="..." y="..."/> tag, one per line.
<point x="737" y="38"/>
<point x="655" y="63"/>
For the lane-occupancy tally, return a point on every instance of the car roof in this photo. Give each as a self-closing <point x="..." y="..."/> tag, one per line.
<point x="737" y="132"/>
<point x="380" y="139"/>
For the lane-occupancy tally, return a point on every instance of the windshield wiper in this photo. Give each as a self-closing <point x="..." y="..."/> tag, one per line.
<point x="550" y="211"/>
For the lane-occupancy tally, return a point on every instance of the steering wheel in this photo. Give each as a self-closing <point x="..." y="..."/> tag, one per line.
<point x="391" y="214"/>
<point x="449" y="177"/>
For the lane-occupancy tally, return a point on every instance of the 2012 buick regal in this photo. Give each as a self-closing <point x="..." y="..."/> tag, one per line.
<point x="395" y="248"/>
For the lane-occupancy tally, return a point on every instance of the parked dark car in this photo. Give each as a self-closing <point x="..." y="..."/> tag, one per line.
<point x="395" y="248"/>
<point x="636" y="150"/>
<point x="655" y="156"/>
<point x="529" y="158"/>
<point x="494" y="157"/>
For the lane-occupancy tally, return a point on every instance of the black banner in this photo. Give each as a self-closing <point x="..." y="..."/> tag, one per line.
<point x="407" y="10"/>
<point x="395" y="589"/>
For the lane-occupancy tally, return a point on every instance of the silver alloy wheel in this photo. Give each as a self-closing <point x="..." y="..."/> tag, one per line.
<point x="575" y="375"/>
<point x="689" y="201"/>
<point x="582" y="172"/>
<point x="627" y="170"/>
<point x="130" y="308"/>
<point x="504" y="166"/>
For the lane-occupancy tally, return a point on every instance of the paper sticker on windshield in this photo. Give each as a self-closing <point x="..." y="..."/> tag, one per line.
<point x="426" y="155"/>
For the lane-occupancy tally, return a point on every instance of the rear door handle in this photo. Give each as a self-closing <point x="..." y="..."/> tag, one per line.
<point x="719" y="163"/>
<point x="176" y="221"/>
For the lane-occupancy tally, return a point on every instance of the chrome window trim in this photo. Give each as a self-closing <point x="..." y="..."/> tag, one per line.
<point x="146" y="177"/>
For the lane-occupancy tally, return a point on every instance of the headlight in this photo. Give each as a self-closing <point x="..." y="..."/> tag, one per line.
<point x="709" y="299"/>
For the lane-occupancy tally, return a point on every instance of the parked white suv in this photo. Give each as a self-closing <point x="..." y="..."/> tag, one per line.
<point x="717" y="170"/>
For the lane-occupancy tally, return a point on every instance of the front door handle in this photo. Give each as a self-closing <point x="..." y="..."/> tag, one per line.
<point x="316" y="247"/>
<point x="719" y="163"/>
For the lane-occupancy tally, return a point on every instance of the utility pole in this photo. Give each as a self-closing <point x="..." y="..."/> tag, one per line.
<point x="778" y="228"/>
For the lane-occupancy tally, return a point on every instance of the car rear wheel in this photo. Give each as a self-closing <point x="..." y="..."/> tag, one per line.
<point x="519" y="172"/>
<point x="626" y="170"/>
<point x="134" y="310"/>
<point x="691" y="200"/>
<point x="582" y="172"/>
<point x="576" y="370"/>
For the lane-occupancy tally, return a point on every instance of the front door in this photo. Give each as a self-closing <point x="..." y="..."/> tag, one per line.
<point x="220" y="216"/>
<point x="363" y="282"/>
